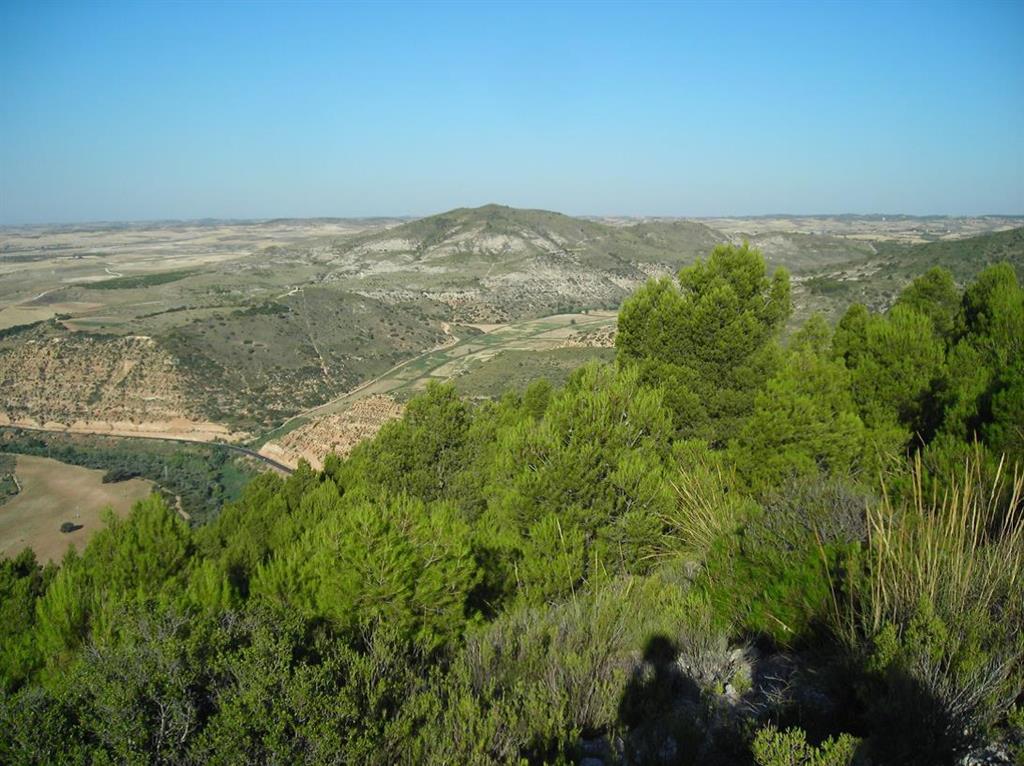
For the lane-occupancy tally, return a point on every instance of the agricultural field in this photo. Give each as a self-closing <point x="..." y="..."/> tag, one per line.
<point x="514" y="370"/>
<point x="8" y="483"/>
<point x="195" y="478"/>
<point x="459" y="358"/>
<point x="339" y="433"/>
<point x="52" y="493"/>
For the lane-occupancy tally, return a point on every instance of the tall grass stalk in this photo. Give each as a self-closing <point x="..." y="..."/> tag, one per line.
<point x="703" y="510"/>
<point x="961" y="552"/>
<point x="940" y="601"/>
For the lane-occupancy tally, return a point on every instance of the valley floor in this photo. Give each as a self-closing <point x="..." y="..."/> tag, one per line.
<point x="443" y="364"/>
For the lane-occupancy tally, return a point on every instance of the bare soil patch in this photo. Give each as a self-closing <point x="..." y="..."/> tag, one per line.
<point x="338" y="433"/>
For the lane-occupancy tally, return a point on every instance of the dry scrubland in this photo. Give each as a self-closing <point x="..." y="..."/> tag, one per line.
<point x="731" y="545"/>
<point x="227" y="330"/>
<point x="53" y="493"/>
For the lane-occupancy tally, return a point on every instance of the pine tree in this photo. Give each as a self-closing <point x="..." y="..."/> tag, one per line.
<point x="804" y="422"/>
<point x="710" y="341"/>
<point x="935" y="295"/>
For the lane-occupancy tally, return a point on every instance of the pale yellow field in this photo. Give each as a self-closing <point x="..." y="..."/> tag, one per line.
<point x="11" y="316"/>
<point x="30" y="311"/>
<point x="52" y="493"/>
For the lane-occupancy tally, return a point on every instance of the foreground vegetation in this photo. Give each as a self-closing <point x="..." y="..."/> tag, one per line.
<point x="717" y="549"/>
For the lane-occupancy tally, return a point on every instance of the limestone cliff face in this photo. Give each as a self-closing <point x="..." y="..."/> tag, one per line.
<point x="52" y="376"/>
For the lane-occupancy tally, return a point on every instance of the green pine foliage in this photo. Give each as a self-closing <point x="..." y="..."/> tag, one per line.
<point x="934" y="295"/>
<point x="708" y="341"/>
<point x="805" y="420"/>
<point x="720" y="548"/>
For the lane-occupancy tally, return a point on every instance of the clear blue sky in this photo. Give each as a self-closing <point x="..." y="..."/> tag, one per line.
<point x="114" y="111"/>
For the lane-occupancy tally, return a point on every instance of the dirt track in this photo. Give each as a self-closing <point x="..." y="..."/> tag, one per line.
<point x="441" y="364"/>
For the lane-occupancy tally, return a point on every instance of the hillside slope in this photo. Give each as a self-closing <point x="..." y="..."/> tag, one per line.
<point x="963" y="257"/>
<point x="876" y="280"/>
<point x="51" y="376"/>
<point x="245" y="368"/>
<point x="496" y="263"/>
<point x="251" y="324"/>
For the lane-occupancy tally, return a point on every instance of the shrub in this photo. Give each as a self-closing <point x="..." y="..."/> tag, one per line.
<point x="537" y="678"/>
<point x="789" y="747"/>
<point x="936" y="615"/>
<point x="706" y="504"/>
<point x="773" y="576"/>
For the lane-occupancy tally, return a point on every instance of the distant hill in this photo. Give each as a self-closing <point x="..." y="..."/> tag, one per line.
<point x="963" y="257"/>
<point x="493" y="263"/>
<point x="496" y="262"/>
<point x="496" y="234"/>
<point x="504" y="236"/>
<point x="877" y="280"/>
<point x="243" y="325"/>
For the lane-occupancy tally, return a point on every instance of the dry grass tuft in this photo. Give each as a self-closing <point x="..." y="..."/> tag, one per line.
<point x="960" y="552"/>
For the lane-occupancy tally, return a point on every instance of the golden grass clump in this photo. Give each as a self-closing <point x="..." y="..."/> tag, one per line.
<point x="960" y="552"/>
<point x="936" y="611"/>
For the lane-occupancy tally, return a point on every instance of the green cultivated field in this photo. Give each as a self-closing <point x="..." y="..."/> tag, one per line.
<point x="515" y="370"/>
<point x="141" y="280"/>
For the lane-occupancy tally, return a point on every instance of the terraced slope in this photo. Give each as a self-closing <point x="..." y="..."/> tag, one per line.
<point x="464" y="358"/>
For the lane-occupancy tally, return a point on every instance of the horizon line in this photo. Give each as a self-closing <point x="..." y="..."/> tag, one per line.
<point x="412" y="217"/>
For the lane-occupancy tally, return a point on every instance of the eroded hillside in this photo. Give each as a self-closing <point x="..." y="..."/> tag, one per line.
<point x="338" y="433"/>
<point x="262" y="364"/>
<point x="494" y="263"/>
<point x="234" y="371"/>
<point x="50" y="376"/>
<point x="249" y="324"/>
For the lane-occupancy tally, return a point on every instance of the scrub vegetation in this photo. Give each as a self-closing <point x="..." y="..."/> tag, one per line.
<point x="728" y="545"/>
<point x="228" y="329"/>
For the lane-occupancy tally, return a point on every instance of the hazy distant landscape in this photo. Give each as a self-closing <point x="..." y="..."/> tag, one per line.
<point x="471" y="436"/>
<point x="302" y="337"/>
<point x="226" y="329"/>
